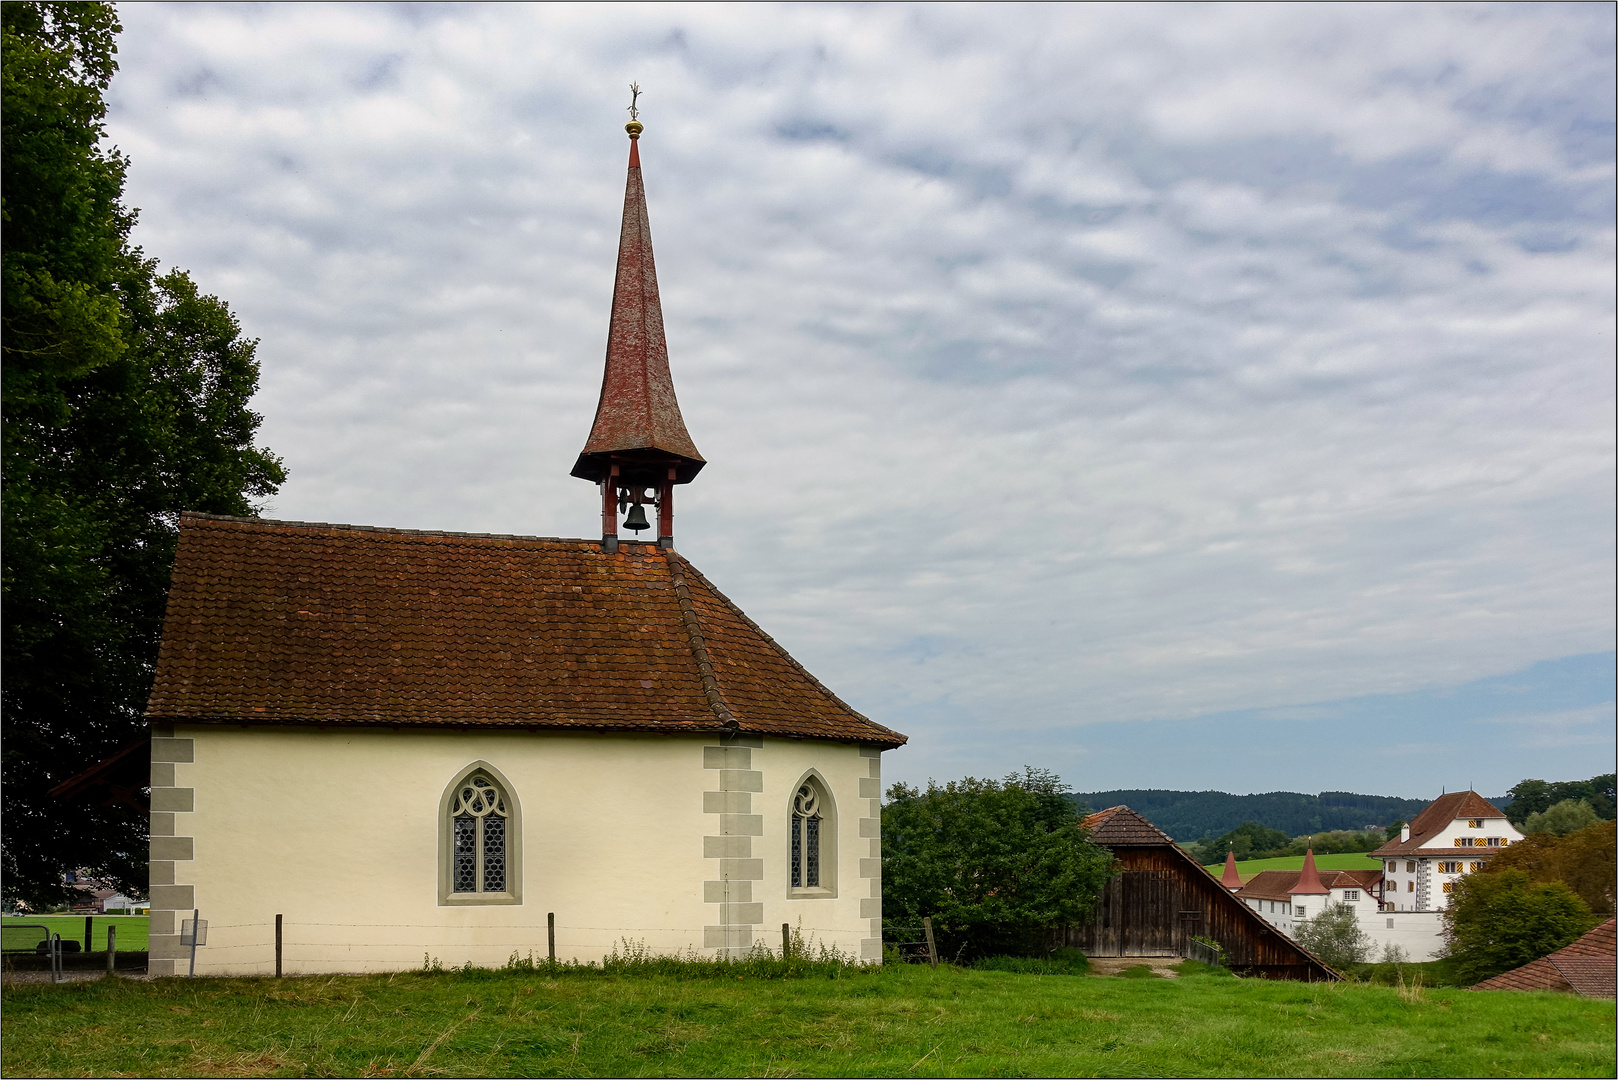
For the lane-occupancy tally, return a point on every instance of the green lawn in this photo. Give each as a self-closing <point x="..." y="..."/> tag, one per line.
<point x="901" y="1021"/>
<point x="131" y="930"/>
<point x="1354" y="861"/>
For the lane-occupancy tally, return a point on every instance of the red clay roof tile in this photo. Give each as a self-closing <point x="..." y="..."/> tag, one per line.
<point x="289" y="622"/>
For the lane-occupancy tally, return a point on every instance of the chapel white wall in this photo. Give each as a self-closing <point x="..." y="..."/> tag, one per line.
<point x="337" y="830"/>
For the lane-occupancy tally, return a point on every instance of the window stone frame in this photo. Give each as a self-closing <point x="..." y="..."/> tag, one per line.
<point x="446" y="843"/>
<point x="827" y="889"/>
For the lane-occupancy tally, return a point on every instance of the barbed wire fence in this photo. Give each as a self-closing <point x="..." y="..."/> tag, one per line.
<point x="281" y="942"/>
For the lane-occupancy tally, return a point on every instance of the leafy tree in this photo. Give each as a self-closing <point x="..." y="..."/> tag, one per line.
<point x="1245" y="839"/>
<point x="1536" y="796"/>
<point x="1394" y="831"/>
<point x="1501" y="920"/>
<point x="1585" y="861"/>
<point x="125" y="401"/>
<point x="1335" y="936"/>
<point x="1567" y="816"/>
<point x="992" y="863"/>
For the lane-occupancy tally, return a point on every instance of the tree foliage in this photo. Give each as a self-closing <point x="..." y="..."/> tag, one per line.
<point x="125" y="401"/>
<point x="1501" y="920"/>
<point x="1335" y="936"/>
<point x="1585" y="861"/>
<point x="1244" y="840"/>
<point x="992" y="863"/>
<point x="1536" y="796"/>
<point x="1567" y="816"/>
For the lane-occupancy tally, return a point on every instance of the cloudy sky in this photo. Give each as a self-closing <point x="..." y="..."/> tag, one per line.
<point x="1187" y="396"/>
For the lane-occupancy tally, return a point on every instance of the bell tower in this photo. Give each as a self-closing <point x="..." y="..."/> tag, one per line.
<point x="638" y="448"/>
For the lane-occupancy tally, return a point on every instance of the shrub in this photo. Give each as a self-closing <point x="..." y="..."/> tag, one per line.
<point x="1335" y="936"/>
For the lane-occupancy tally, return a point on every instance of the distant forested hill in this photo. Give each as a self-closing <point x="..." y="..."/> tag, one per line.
<point x="1193" y="815"/>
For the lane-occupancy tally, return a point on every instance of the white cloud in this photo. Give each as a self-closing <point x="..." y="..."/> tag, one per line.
<point x="1056" y="365"/>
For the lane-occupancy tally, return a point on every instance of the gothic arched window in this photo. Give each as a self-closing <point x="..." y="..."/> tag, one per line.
<point x="479" y="827"/>
<point x="479" y="840"/>
<point x="812" y="841"/>
<point x="806" y="838"/>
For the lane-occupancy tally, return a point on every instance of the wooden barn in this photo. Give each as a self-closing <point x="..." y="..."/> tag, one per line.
<point x="1162" y="898"/>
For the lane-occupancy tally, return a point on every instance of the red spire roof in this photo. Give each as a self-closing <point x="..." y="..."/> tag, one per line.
<point x="1231" y="880"/>
<point x="1309" y="883"/>
<point x="637" y="419"/>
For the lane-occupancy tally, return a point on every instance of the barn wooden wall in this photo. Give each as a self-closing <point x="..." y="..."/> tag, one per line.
<point x="1161" y="899"/>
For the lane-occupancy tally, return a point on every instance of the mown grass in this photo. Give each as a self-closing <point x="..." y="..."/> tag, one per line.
<point x="1352" y="860"/>
<point x="132" y="929"/>
<point x="904" y="1021"/>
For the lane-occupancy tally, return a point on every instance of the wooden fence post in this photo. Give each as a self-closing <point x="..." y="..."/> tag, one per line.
<point x="89" y="923"/>
<point x="278" y="946"/>
<point x="932" y="949"/>
<point x="786" y="941"/>
<point x="550" y="934"/>
<point x="112" y="949"/>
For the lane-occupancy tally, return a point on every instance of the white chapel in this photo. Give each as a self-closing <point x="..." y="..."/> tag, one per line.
<point x="371" y="746"/>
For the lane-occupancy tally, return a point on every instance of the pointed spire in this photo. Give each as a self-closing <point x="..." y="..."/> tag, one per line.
<point x="1232" y="880"/>
<point x="1309" y="883"/>
<point x="638" y="421"/>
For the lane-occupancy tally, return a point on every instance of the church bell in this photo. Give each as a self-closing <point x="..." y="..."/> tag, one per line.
<point x="636" y="521"/>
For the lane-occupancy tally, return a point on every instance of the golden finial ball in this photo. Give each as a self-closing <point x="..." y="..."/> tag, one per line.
<point x="634" y="127"/>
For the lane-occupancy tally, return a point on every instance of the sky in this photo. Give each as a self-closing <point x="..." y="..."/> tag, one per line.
<point x="1190" y="396"/>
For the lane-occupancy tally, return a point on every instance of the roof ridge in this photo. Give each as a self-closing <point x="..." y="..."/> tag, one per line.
<point x="777" y="646"/>
<point x="390" y="530"/>
<point x="699" y="647"/>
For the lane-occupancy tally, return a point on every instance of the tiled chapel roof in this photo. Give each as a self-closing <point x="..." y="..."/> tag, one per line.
<point x="1588" y="967"/>
<point x="290" y="622"/>
<point x="1435" y="819"/>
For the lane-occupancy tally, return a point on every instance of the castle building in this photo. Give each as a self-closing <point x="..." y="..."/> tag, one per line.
<point x="1456" y="835"/>
<point x="372" y="746"/>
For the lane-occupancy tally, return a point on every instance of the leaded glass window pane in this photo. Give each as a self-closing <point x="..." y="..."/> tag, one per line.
<point x="494" y="854"/>
<point x="812" y="861"/>
<point x="466" y="854"/>
<point x="797" y="852"/>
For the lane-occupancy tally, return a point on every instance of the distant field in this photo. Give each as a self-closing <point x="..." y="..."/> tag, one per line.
<point x="905" y="1021"/>
<point x="131" y="930"/>
<point x="1295" y="862"/>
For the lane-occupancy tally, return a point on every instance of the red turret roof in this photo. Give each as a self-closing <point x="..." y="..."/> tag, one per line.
<point x="1309" y="883"/>
<point x="1231" y="880"/>
<point x="637" y="417"/>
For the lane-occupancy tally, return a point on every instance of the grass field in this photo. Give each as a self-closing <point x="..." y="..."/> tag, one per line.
<point x="1352" y="861"/>
<point x="131" y="930"/>
<point x="897" y="1021"/>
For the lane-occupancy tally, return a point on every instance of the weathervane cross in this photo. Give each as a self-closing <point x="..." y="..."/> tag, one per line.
<point x="634" y="96"/>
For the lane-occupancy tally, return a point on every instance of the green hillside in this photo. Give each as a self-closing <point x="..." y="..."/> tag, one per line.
<point x="1351" y="861"/>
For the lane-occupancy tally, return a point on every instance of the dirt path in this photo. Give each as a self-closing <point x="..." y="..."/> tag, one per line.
<point x="1162" y="966"/>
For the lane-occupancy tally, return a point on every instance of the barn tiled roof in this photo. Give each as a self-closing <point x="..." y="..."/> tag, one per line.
<point x="1119" y="826"/>
<point x="1587" y="967"/>
<point x="1282" y="884"/>
<point x="289" y="622"/>
<point x="1438" y="816"/>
